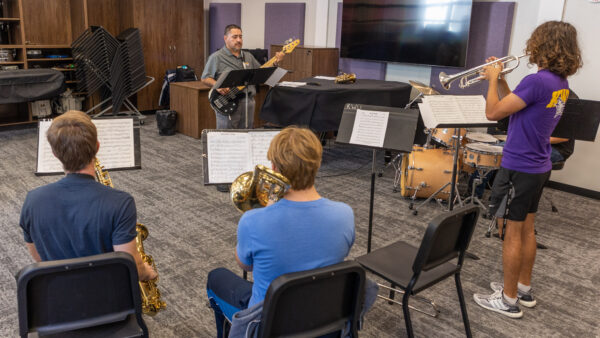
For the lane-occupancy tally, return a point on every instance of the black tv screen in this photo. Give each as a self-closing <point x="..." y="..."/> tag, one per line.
<point x="429" y="32"/>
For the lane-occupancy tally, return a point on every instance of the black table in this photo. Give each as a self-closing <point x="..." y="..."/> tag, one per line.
<point x="25" y="85"/>
<point x="320" y="106"/>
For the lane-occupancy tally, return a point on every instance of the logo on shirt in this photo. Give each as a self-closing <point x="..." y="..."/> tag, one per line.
<point x="559" y="99"/>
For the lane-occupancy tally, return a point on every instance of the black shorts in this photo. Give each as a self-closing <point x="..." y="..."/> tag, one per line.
<point x="526" y="196"/>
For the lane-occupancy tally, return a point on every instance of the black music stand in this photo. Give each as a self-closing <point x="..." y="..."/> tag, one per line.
<point x="245" y="78"/>
<point x="399" y="136"/>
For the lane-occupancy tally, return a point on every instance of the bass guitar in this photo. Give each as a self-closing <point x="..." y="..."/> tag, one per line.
<point x="227" y="104"/>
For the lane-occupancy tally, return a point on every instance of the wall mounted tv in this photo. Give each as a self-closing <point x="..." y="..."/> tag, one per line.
<point x="429" y="32"/>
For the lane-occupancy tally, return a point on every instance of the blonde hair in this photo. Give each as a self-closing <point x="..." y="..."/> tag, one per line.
<point x="73" y="138"/>
<point x="296" y="154"/>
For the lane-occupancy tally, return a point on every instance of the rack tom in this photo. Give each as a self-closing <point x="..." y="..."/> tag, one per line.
<point x="445" y="136"/>
<point x="482" y="155"/>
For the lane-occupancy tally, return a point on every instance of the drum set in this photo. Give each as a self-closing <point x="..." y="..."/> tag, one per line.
<point x="426" y="172"/>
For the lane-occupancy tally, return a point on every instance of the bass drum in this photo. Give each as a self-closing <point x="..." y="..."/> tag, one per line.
<point x="426" y="170"/>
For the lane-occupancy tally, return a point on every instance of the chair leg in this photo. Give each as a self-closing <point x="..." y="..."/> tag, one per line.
<point x="409" y="330"/>
<point x="392" y="293"/>
<point x="463" y="306"/>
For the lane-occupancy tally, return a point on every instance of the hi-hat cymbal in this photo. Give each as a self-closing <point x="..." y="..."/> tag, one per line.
<point x="422" y="88"/>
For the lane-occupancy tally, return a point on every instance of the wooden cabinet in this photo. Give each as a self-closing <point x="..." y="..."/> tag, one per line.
<point x="306" y="61"/>
<point x="194" y="114"/>
<point x="172" y="34"/>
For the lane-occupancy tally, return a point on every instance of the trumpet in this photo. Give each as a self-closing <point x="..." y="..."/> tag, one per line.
<point x="467" y="77"/>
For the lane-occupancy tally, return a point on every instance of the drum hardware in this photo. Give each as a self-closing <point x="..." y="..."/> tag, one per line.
<point x="485" y="158"/>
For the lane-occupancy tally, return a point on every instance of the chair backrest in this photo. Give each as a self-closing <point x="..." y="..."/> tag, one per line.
<point x="315" y="302"/>
<point x="447" y="236"/>
<point x="65" y="295"/>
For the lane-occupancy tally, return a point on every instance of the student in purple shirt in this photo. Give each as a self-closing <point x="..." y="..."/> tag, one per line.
<point x="535" y="108"/>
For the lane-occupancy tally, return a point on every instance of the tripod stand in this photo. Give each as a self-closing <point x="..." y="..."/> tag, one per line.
<point x="481" y="173"/>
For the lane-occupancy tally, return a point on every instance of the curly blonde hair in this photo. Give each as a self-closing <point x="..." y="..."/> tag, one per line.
<point x="553" y="46"/>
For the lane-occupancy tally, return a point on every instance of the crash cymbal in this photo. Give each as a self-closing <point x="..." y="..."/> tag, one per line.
<point x="422" y="88"/>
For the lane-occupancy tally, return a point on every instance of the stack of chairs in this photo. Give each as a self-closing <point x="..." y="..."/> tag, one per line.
<point x="114" y="64"/>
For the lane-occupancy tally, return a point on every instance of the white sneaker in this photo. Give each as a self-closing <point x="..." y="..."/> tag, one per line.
<point x="497" y="303"/>
<point x="525" y="298"/>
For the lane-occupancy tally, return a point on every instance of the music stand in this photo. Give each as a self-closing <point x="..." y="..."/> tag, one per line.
<point x="399" y="136"/>
<point x="247" y="77"/>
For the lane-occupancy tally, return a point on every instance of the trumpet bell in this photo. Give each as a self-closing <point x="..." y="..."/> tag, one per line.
<point x="445" y="80"/>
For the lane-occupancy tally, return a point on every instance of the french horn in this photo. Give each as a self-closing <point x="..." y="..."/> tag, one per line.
<point x="254" y="189"/>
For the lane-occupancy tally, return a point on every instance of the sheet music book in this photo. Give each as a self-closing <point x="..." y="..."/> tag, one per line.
<point x="369" y="128"/>
<point x="117" y="145"/>
<point x="454" y="110"/>
<point x="230" y="153"/>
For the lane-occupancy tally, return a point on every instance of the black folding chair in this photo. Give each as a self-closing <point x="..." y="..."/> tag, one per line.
<point x="95" y="296"/>
<point x="314" y="303"/>
<point x="416" y="269"/>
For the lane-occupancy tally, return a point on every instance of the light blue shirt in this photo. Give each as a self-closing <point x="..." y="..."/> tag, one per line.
<point x="293" y="236"/>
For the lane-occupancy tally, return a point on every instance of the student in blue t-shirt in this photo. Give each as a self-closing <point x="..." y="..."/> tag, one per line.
<point x="535" y="108"/>
<point x="77" y="216"/>
<point x="302" y="231"/>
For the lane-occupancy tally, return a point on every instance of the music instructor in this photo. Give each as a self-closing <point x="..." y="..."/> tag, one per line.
<point x="302" y="231"/>
<point x="78" y="216"/>
<point x="232" y="57"/>
<point x="534" y="107"/>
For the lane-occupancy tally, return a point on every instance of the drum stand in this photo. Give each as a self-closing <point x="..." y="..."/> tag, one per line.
<point x="481" y="173"/>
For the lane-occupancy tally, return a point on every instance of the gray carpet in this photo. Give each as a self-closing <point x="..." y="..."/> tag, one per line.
<point x="193" y="230"/>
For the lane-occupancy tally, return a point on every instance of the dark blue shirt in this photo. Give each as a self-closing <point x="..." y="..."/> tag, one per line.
<point x="77" y="216"/>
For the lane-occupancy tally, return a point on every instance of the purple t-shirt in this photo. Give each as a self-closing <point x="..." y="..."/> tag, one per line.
<point x="527" y="146"/>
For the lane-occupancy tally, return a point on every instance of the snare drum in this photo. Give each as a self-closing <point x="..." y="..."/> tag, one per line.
<point x="501" y="138"/>
<point x="426" y="170"/>
<point x="481" y="137"/>
<point x="482" y="155"/>
<point x="444" y="136"/>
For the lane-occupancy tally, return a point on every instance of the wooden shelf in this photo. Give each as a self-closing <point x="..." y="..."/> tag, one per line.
<point x="12" y="63"/>
<point x="49" y="59"/>
<point x="71" y="81"/>
<point x="48" y="46"/>
<point x="10" y="19"/>
<point x="6" y="124"/>
<point x="11" y="46"/>
<point x="64" y="69"/>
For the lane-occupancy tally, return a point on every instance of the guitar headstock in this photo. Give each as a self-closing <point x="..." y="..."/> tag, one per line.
<point x="290" y="45"/>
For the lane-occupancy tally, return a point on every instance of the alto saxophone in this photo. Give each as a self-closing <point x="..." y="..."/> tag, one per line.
<point x="151" y="302"/>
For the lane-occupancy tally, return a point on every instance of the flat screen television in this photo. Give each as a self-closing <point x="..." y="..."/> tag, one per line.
<point x="428" y="32"/>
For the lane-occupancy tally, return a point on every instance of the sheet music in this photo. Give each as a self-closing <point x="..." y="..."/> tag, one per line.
<point x="116" y="145"/>
<point x="46" y="161"/>
<point x="276" y="76"/>
<point x="291" y="84"/>
<point x="260" y="142"/>
<point x="229" y="155"/>
<point x="321" y="77"/>
<point x="369" y="127"/>
<point x="451" y="109"/>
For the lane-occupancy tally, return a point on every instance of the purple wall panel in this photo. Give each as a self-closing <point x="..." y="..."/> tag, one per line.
<point x="489" y="35"/>
<point x="219" y="16"/>
<point x="284" y="21"/>
<point x="363" y="69"/>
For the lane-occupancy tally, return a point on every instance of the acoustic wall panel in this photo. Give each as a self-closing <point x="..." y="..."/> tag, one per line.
<point x="219" y="16"/>
<point x="284" y="21"/>
<point x="489" y="35"/>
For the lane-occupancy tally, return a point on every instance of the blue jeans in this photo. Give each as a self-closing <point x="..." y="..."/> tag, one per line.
<point x="237" y="120"/>
<point x="228" y="293"/>
<point x="555" y="156"/>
